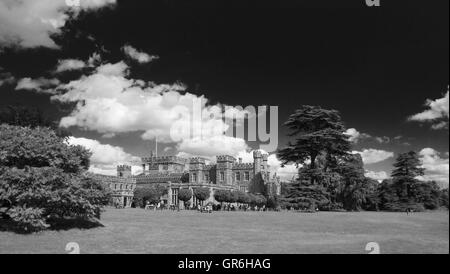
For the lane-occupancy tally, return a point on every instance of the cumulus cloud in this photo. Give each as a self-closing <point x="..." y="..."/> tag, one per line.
<point x="383" y="140"/>
<point x="69" y="65"/>
<point x="212" y="146"/>
<point x="41" y="84"/>
<point x="436" y="167"/>
<point x="355" y="137"/>
<point x="140" y="57"/>
<point x="30" y="23"/>
<point x="372" y="156"/>
<point x="437" y="113"/>
<point x="110" y="102"/>
<point x="377" y="175"/>
<point x="105" y="158"/>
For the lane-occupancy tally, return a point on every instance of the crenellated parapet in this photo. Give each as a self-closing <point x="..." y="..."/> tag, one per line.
<point x="243" y="166"/>
<point x="114" y="179"/>
<point x="124" y="168"/>
<point x="164" y="160"/>
<point x="225" y="158"/>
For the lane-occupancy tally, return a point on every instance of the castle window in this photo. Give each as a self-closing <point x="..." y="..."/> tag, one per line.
<point x="238" y="176"/>
<point x="194" y="177"/>
<point x="247" y="176"/>
<point x="175" y="196"/>
<point x="222" y="176"/>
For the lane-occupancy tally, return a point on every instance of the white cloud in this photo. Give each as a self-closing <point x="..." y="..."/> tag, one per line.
<point x="140" y="57"/>
<point x="30" y="23"/>
<point x="377" y="175"/>
<point x="105" y="158"/>
<point x="355" y="136"/>
<point x="383" y="140"/>
<point x="436" y="167"/>
<point x="372" y="156"/>
<point x="110" y="102"/>
<point x="69" y="65"/>
<point x="40" y="84"/>
<point x="437" y="113"/>
<point x="212" y="146"/>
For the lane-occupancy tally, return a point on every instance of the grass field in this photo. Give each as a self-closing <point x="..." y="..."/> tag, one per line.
<point x="139" y="231"/>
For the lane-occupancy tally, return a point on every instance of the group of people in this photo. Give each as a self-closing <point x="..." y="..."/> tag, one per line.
<point x="149" y="206"/>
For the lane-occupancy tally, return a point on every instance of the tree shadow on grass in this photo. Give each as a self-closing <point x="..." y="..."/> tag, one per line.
<point x="73" y="223"/>
<point x="55" y="225"/>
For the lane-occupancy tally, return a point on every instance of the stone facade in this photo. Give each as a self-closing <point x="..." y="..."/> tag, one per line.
<point x="177" y="173"/>
<point x="122" y="186"/>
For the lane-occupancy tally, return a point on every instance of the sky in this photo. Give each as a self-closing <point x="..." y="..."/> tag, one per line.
<point x="119" y="74"/>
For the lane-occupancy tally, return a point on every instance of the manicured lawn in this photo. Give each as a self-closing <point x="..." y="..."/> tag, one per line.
<point x="139" y="231"/>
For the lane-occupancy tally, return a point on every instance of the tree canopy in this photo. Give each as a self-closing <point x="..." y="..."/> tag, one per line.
<point x="202" y="193"/>
<point x="42" y="178"/>
<point x="316" y="131"/>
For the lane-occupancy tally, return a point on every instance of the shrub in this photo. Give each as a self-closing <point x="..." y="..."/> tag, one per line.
<point x="151" y="194"/>
<point x="42" y="178"/>
<point x="202" y="193"/>
<point x="243" y="197"/>
<point x="185" y="195"/>
<point x="222" y="196"/>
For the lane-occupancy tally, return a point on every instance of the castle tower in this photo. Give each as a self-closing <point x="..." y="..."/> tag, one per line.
<point x="264" y="163"/>
<point x="224" y="172"/>
<point x="196" y="170"/>
<point x="257" y="162"/>
<point x="124" y="171"/>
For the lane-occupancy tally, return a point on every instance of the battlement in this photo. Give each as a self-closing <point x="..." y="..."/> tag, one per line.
<point x="257" y="154"/>
<point x="242" y="166"/>
<point x="164" y="160"/>
<point x="124" y="168"/>
<point x="114" y="179"/>
<point x="225" y="158"/>
<point x="197" y="160"/>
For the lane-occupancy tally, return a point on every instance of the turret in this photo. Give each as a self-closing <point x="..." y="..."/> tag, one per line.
<point x="124" y="171"/>
<point x="257" y="161"/>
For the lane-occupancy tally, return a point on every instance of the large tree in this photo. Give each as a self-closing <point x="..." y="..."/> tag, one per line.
<point x="316" y="131"/>
<point x="319" y="143"/>
<point x="407" y="168"/>
<point x="257" y="185"/>
<point x="43" y="179"/>
<point x="405" y="190"/>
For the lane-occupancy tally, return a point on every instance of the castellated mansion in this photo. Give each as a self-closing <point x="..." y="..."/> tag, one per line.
<point x="177" y="173"/>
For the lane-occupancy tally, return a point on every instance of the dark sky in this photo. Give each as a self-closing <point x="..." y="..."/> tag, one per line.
<point x="377" y="66"/>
